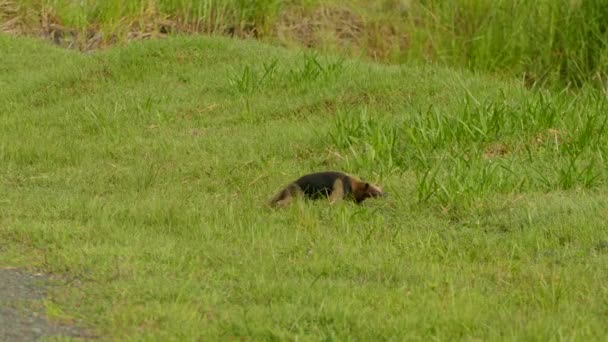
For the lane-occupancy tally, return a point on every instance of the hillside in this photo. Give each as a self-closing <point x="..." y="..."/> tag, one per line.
<point x="546" y="43"/>
<point x="143" y="171"/>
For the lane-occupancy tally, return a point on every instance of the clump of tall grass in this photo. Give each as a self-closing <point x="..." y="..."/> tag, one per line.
<point x="312" y="68"/>
<point x="372" y="143"/>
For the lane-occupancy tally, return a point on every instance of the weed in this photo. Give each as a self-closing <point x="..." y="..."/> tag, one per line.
<point x="373" y="144"/>
<point x="249" y="80"/>
<point x="313" y="69"/>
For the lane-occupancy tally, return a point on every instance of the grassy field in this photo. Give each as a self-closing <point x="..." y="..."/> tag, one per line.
<point x="140" y="175"/>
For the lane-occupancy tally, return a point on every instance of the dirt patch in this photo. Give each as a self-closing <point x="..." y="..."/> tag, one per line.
<point x="495" y="150"/>
<point x="551" y="135"/>
<point x="342" y="28"/>
<point x="309" y="27"/>
<point x="22" y="315"/>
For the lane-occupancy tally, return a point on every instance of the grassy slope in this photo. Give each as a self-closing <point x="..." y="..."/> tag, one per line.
<point x="142" y="171"/>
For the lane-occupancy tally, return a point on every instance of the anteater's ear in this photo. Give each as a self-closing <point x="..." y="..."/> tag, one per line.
<point x="366" y="186"/>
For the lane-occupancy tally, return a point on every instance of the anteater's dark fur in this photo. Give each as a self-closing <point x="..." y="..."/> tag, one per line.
<point x="330" y="184"/>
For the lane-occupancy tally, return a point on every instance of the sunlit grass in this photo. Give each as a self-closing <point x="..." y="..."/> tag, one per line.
<point x="139" y="176"/>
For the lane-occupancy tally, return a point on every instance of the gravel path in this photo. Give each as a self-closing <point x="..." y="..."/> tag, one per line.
<point x="21" y="311"/>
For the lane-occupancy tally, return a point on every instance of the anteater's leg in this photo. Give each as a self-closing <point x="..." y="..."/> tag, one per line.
<point x="285" y="197"/>
<point x="337" y="192"/>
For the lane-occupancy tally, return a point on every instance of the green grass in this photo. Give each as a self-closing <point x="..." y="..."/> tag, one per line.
<point x="143" y="172"/>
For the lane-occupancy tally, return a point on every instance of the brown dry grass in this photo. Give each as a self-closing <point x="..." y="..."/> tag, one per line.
<point x="325" y="27"/>
<point x="19" y="20"/>
<point x="311" y="27"/>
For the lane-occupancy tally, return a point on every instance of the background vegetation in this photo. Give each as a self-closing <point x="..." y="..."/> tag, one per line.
<point x="544" y="42"/>
<point x="139" y="173"/>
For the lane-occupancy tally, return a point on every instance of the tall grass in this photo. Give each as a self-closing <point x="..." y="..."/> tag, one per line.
<point x="544" y="42"/>
<point x="118" y="21"/>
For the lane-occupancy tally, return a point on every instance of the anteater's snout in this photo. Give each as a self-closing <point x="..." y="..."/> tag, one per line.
<point x="377" y="192"/>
